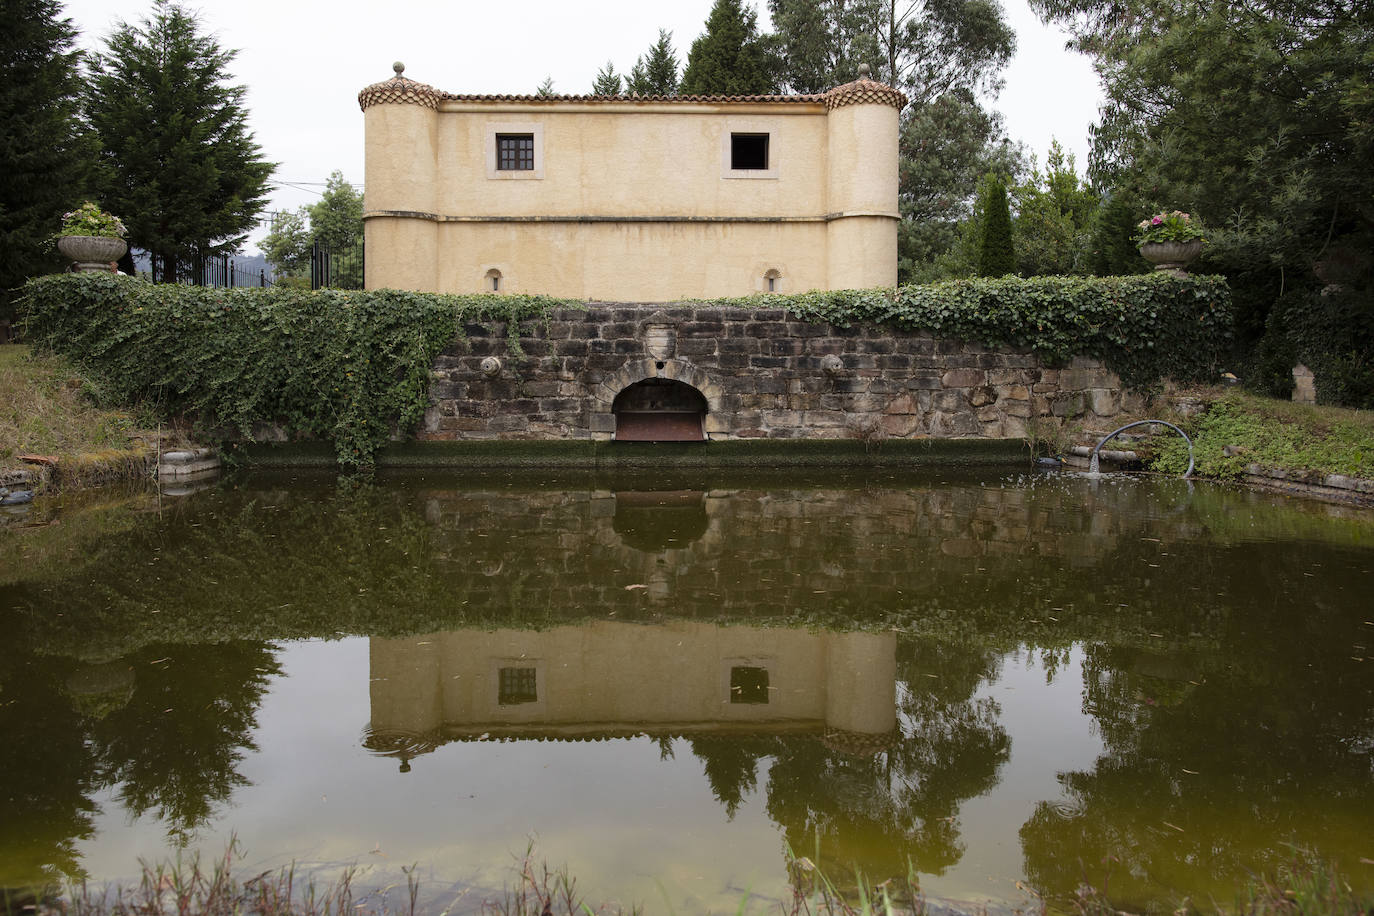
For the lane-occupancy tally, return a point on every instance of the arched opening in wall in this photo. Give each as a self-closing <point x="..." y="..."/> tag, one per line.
<point x="492" y="282"/>
<point x="659" y="410"/>
<point x="772" y="281"/>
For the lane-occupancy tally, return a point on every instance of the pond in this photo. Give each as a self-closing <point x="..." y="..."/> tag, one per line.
<point x="667" y="681"/>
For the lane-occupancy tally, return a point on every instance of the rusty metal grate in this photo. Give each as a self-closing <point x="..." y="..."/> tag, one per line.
<point x="659" y="426"/>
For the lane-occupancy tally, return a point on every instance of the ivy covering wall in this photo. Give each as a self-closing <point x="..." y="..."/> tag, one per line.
<point x="354" y="367"/>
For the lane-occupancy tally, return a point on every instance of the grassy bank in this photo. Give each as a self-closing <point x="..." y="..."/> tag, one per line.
<point x="49" y="408"/>
<point x="1238" y="429"/>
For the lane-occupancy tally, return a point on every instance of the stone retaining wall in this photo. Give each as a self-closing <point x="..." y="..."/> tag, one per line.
<point x="763" y="374"/>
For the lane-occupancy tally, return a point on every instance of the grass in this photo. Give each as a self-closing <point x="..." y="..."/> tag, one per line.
<point x="1240" y="429"/>
<point x="1305" y="885"/>
<point x="48" y="407"/>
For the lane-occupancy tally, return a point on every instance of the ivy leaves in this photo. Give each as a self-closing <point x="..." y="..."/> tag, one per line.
<point x="354" y="366"/>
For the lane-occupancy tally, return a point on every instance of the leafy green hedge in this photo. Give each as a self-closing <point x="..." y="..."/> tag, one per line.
<point x="350" y="366"/>
<point x="1144" y="328"/>
<point x="355" y="366"/>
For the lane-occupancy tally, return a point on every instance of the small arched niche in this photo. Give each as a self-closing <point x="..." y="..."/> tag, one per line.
<point x="659" y="410"/>
<point x="491" y="281"/>
<point x="772" y="281"/>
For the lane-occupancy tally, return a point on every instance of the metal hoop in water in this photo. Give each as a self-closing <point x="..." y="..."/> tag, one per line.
<point x="1093" y="465"/>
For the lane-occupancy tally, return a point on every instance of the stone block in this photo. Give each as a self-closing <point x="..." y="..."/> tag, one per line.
<point x="982" y="396"/>
<point x="1068" y="404"/>
<point x="1104" y="402"/>
<point x="602" y="421"/>
<point x="507" y="424"/>
<point x="825" y="346"/>
<point x="900" y="426"/>
<point x="766" y="330"/>
<point x="739" y="345"/>
<point x="948" y="400"/>
<point x="775" y="418"/>
<point x="963" y="378"/>
<point x="1007" y="377"/>
<point x="1015" y="408"/>
<point x="715" y="423"/>
<point x="696" y="347"/>
<point x="901" y="405"/>
<point x="821" y="419"/>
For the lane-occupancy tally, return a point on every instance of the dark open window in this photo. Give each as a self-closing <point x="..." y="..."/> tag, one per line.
<point x="748" y="685"/>
<point x="517" y="686"/>
<point x="749" y="151"/>
<point x="515" y="152"/>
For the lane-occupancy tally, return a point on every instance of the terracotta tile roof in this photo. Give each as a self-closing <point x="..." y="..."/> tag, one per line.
<point x="405" y="91"/>
<point x="864" y="91"/>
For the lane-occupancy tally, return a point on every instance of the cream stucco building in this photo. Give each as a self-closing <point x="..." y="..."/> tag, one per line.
<point x="645" y="199"/>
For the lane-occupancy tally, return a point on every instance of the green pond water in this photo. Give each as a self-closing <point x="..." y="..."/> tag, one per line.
<point x="667" y="681"/>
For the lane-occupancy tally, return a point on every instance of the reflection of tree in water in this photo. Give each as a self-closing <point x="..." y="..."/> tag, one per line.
<point x="168" y="726"/>
<point x="900" y="804"/>
<point x="1214" y="764"/>
<point x="175" y="748"/>
<point x="47" y="774"/>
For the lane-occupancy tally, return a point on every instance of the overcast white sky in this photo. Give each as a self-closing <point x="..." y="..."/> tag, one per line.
<point x="303" y="62"/>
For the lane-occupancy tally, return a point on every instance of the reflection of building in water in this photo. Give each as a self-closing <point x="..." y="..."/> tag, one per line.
<point x="609" y="679"/>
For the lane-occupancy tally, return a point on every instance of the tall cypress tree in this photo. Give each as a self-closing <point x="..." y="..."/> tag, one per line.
<point x="729" y="58"/>
<point x="178" y="161"/>
<point x="607" y="81"/>
<point x="45" y="152"/>
<point x="996" y="255"/>
<point x="660" y="65"/>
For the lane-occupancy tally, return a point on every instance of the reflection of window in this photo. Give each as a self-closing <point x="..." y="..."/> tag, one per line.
<point x="748" y="685"/>
<point x="517" y="685"/>
<point x="515" y="152"/>
<point x="749" y="151"/>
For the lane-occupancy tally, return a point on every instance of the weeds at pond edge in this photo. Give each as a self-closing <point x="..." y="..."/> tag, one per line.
<point x="1305" y="885"/>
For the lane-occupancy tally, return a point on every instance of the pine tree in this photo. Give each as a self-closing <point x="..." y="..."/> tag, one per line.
<point x="729" y="58"/>
<point x="996" y="256"/>
<point x="546" y="89"/>
<point x="660" y="65"/>
<point x="607" y="81"/>
<point x="179" y="163"/>
<point x="46" y="154"/>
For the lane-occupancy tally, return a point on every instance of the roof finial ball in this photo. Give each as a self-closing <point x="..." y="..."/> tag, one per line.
<point x="865" y="71"/>
<point x="400" y="69"/>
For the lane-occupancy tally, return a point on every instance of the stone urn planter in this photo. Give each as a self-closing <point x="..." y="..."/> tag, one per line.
<point x="1171" y="256"/>
<point x="92" y="253"/>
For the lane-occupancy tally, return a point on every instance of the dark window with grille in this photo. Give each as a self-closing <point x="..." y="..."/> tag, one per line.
<point x="749" y="151"/>
<point x="517" y="686"/>
<point x="515" y="152"/>
<point x="748" y="685"/>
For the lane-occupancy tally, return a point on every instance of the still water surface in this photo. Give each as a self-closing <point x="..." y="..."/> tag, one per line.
<point x="666" y="682"/>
